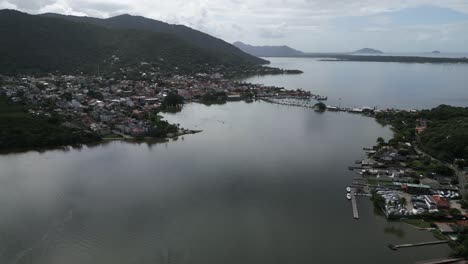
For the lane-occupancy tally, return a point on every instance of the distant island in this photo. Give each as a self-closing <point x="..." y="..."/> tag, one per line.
<point x="362" y="55"/>
<point x="268" y="51"/>
<point x="368" y="51"/>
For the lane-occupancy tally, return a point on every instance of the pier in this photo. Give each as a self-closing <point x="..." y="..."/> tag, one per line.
<point x="354" y="205"/>
<point x="307" y="103"/>
<point x="396" y="247"/>
<point x="440" y="261"/>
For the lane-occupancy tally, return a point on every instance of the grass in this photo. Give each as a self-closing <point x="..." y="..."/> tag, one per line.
<point x="378" y="182"/>
<point x="418" y="223"/>
<point x="437" y="234"/>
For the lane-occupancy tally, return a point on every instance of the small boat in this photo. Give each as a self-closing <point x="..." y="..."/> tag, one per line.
<point x="348" y="196"/>
<point x="348" y="189"/>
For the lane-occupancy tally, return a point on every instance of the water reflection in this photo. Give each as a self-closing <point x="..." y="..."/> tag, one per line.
<point x="397" y="231"/>
<point x="260" y="184"/>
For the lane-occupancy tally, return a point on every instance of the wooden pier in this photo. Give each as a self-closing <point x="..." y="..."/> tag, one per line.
<point x="354" y="205"/>
<point x="396" y="247"/>
<point x="440" y="261"/>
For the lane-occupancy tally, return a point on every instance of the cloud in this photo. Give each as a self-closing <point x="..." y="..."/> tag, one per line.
<point x="273" y="31"/>
<point x="7" y="5"/>
<point x="256" y="21"/>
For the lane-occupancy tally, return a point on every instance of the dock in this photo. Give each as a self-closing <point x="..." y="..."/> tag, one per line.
<point x="440" y="261"/>
<point x="396" y="247"/>
<point x="354" y="205"/>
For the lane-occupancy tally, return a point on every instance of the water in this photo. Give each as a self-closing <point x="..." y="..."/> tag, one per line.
<point x="385" y="85"/>
<point x="261" y="184"/>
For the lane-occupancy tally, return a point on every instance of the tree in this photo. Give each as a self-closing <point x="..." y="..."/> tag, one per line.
<point x="444" y="170"/>
<point x="378" y="200"/>
<point x="455" y="212"/>
<point x="320" y="107"/>
<point x="460" y="163"/>
<point x="173" y="99"/>
<point x="403" y="201"/>
<point x="96" y="95"/>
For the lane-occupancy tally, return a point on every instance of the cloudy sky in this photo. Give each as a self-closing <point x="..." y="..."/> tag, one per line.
<point x="309" y="25"/>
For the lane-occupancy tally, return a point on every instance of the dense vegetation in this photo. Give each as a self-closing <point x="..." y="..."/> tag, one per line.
<point x="19" y="129"/>
<point x="201" y="40"/>
<point x="45" y="44"/>
<point x="214" y="97"/>
<point x="320" y="107"/>
<point x="446" y="136"/>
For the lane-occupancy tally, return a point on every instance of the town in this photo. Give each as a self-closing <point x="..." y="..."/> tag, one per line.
<point x="408" y="184"/>
<point x="121" y="107"/>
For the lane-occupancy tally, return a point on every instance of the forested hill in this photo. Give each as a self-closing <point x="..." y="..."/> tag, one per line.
<point x="192" y="36"/>
<point x="268" y="51"/>
<point x="32" y="43"/>
<point x="446" y="135"/>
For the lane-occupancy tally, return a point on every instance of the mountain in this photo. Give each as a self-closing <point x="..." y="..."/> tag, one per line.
<point x="192" y="36"/>
<point x="435" y="52"/>
<point x="368" y="51"/>
<point x="268" y="51"/>
<point x="34" y="43"/>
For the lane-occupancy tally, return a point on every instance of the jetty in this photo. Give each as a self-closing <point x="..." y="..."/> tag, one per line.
<point x="440" y="261"/>
<point x="396" y="247"/>
<point x="354" y="205"/>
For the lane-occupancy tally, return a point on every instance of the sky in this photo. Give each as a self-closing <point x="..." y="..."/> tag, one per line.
<point x="308" y="25"/>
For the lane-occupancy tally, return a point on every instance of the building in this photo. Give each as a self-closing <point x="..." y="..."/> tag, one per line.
<point x="441" y="202"/>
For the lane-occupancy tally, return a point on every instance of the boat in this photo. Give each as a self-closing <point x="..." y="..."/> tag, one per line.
<point x="348" y="189"/>
<point x="319" y="97"/>
<point x="348" y="196"/>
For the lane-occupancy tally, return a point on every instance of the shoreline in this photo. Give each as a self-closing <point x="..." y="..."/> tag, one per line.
<point x="103" y="141"/>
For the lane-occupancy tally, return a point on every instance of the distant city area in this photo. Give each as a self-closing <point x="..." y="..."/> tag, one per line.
<point x="126" y="107"/>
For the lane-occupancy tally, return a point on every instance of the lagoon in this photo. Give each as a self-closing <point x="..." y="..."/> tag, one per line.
<point x="375" y="84"/>
<point x="262" y="183"/>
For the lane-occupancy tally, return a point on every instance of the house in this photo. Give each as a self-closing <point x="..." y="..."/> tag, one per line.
<point x="445" y="228"/>
<point x="441" y="202"/>
<point x="414" y="188"/>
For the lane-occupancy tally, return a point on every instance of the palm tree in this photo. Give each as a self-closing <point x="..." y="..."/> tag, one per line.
<point x="403" y="201"/>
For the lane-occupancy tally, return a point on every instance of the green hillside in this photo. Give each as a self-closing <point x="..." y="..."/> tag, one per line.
<point x="45" y="44"/>
<point x="192" y="36"/>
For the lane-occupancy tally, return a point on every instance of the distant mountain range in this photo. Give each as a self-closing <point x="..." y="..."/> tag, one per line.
<point x="51" y="42"/>
<point x="286" y="51"/>
<point x="268" y="51"/>
<point x="368" y="51"/>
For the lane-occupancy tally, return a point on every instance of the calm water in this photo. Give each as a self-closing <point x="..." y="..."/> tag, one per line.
<point x="262" y="184"/>
<point x="385" y="85"/>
